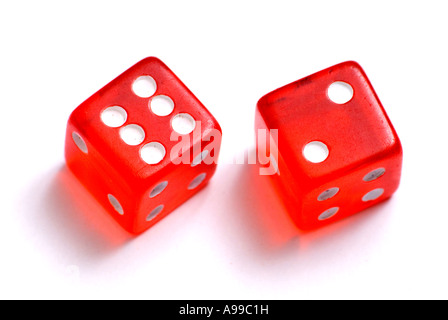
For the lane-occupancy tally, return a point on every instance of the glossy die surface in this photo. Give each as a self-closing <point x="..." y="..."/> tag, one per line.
<point x="142" y="145"/>
<point x="359" y="156"/>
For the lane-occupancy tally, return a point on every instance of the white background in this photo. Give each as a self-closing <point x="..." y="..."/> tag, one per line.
<point x="233" y="240"/>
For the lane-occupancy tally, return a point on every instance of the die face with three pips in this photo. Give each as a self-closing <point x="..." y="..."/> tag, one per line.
<point x="362" y="155"/>
<point x="128" y="144"/>
<point x="144" y="144"/>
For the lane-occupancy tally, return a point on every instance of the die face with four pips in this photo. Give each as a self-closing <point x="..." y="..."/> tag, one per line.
<point x="142" y="145"/>
<point x="336" y="155"/>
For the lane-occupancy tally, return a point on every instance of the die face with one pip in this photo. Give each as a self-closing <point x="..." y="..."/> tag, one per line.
<point x="142" y="145"/>
<point x="336" y="156"/>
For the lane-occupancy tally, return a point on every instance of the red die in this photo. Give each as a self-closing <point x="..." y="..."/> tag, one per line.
<point x="335" y="157"/>
<point x="142" y="145"/>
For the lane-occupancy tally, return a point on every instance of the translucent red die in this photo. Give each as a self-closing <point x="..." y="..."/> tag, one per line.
<point x="337" y="155"/>
<point x="142" y="145"/>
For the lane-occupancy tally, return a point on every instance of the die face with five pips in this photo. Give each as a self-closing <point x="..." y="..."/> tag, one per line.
<point x="142" y="145"/>
<point x="336" y="155"/>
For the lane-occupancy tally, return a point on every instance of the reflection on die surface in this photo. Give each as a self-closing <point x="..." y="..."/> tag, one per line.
<point x="142" y="145"/>
<point x="337" y="152"/>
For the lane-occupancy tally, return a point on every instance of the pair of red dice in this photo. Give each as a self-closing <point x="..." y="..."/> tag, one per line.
<point x="144" y="144"/>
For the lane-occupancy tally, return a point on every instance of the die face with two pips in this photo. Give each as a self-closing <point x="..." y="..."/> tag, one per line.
<point x="358" y="162"/>
<point x="142" y="145"/>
